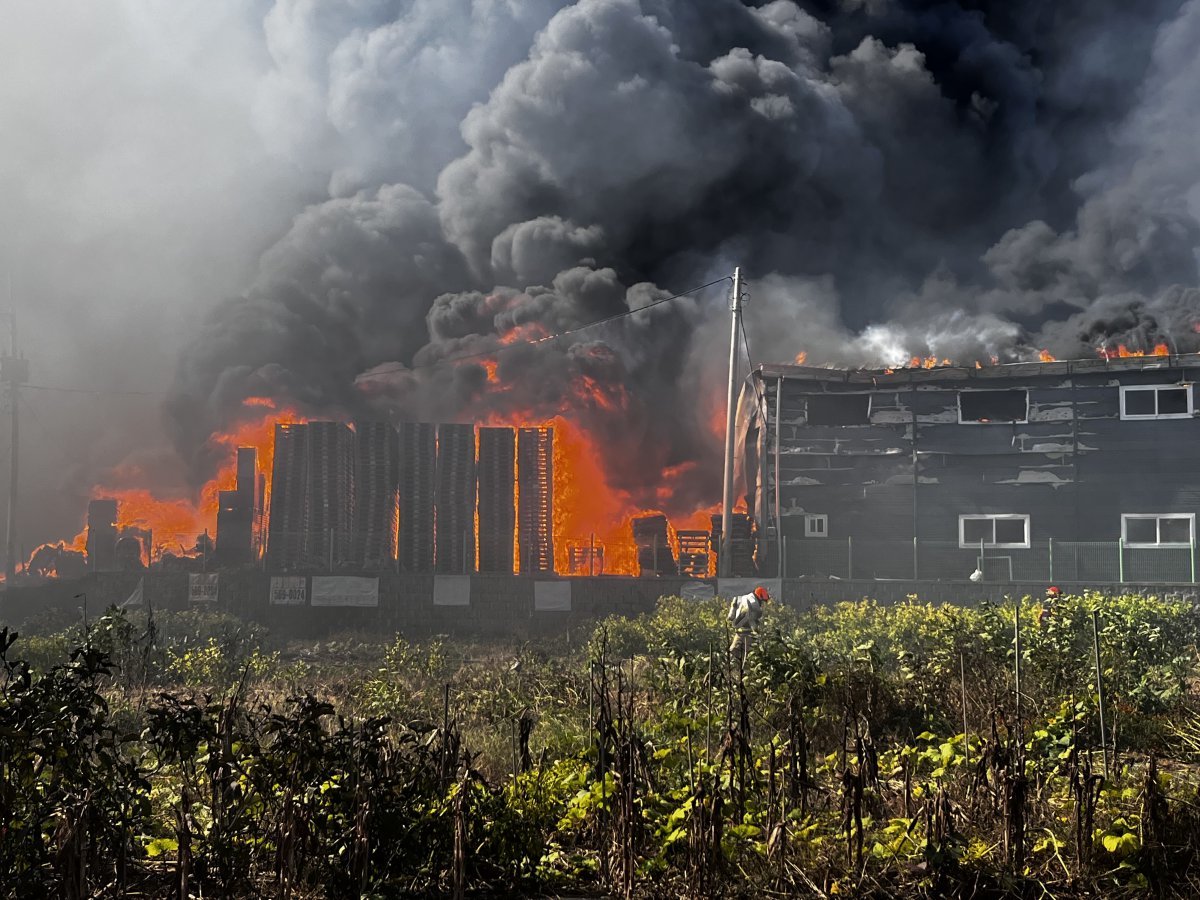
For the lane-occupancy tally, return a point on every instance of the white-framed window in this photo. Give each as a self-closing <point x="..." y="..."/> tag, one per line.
<point x="1158" y="529"/>
<point x="816" y="525"/>
<point x="1156" y="401"/>
<point x="993" y="407"/>
<point x="993" y="530"/>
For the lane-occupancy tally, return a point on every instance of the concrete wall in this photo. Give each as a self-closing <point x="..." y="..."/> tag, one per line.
<point x="500" y="606"/>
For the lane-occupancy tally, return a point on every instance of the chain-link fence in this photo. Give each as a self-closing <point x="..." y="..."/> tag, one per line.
<point x="1110" y="562"/>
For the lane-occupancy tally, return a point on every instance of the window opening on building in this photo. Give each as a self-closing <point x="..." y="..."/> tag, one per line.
<point x="1156" y="401"/>
<point x="839" y="409"/>
<point x="816" y="526"/>
<point x="1158" y="530"/>
<point x="987" y="407"/>
<point x="999" y="530"/>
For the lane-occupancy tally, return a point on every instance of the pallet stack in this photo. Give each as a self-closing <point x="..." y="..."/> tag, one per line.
<point x="329" y="494"/>
<point x="376" y="495"/>
<point x="742" y="545"/>
<point x="455" y="499"/>
<point x="289" y="475"/>
<point x="585" y="559"/>
<point x="693" y="553"/>
<point x="418" y="457"/>
<point x="652" y="536"/>
<point x="497" y="499"/>
<point x="535" y="500"/>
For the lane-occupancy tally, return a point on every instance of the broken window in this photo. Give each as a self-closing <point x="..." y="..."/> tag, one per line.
<point x="998" y="530"/>
<point x="1156" y="401"/>
<point x="983" y="407"/>
<point x="839" y="409"/>
<point x="1155" y="530"/>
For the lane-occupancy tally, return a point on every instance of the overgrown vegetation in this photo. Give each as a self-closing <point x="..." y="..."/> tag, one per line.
<point x="864" y="751"/>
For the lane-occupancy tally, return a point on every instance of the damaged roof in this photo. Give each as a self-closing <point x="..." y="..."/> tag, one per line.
<point x="915" y="374"/>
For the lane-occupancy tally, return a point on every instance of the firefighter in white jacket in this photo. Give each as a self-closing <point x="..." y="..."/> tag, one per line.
<point x="745" y="613"/>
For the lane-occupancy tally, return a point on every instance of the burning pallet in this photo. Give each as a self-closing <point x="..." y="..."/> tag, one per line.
<point x="693" y="553"/>
<point x="535" y="499"/>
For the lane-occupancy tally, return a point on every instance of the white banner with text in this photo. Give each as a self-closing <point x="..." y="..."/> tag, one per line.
<point x="344" y="590"/>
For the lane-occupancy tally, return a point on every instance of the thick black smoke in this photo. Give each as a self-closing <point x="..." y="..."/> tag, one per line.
<point x="961" y="179"/>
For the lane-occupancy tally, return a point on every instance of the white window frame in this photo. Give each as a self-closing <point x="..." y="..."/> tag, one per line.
<point x="1191" y="520"/>
<point x="962" y="421"/>
<point x="810" y="520"/>
<point x="1186" y="388"/>
<point x="992" y="517"/>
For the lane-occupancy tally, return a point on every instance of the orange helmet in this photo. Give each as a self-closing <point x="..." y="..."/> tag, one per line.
<point x="762" y="593"/>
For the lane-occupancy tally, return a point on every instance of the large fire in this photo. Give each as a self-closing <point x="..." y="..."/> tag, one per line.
<point x="1122" y="352"/>
<point x="177" y="524"/>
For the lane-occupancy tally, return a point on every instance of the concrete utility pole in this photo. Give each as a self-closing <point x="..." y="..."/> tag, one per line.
<point x="14" y="372"/>
<point x="726" y="548"/>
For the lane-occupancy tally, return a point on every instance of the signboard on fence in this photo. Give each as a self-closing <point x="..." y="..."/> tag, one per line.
<point x="202" y="587"/>
<point x="344" y="590"/>
<point x="734" y="587"/>
<point x="289" y="590"/>
<point x="452" y="590"/>
<point x="552" y="596"/>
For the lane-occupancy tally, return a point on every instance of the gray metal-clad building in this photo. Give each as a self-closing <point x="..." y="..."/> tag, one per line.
<point x="1082" y="470"/>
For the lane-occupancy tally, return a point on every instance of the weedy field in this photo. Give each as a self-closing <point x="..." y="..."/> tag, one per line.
<point x="864" y="751"/>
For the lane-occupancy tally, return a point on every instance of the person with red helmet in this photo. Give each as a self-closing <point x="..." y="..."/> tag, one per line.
<point x="745" y="614"/>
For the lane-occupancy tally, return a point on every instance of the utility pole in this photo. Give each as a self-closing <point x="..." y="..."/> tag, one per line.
<point x="726" y="548"/>
<point x="14" y="372"/>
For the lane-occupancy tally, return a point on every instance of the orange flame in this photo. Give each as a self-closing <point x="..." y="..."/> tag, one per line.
<point x="929" y="362"/>
<point x="1046" y="356"/>
<point x="1123" y="352"/>
<point x="176" y="523"/>
<point x="801" y="357"/>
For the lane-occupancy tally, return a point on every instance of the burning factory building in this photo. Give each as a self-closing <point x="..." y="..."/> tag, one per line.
<point x="1074" y="471"/>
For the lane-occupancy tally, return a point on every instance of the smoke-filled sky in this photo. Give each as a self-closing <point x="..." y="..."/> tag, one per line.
<point x="205" y="200"/>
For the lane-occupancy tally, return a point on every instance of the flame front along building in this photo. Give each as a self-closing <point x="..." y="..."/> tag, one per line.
<point x="1073" y="471"/>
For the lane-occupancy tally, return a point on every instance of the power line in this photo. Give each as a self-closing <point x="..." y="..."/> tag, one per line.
<point x="398" y="367"/>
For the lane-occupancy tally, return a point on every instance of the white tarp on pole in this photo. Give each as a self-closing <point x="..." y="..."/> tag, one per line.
<point x="202" y="588"/>
<point x="138" y="597"/>
<point x="452" y="590"/>
<point x="733" y="587"/>
<point x="344" y="590"/>
<point x="552" y="596"/>
<point x="289" y="590"/>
